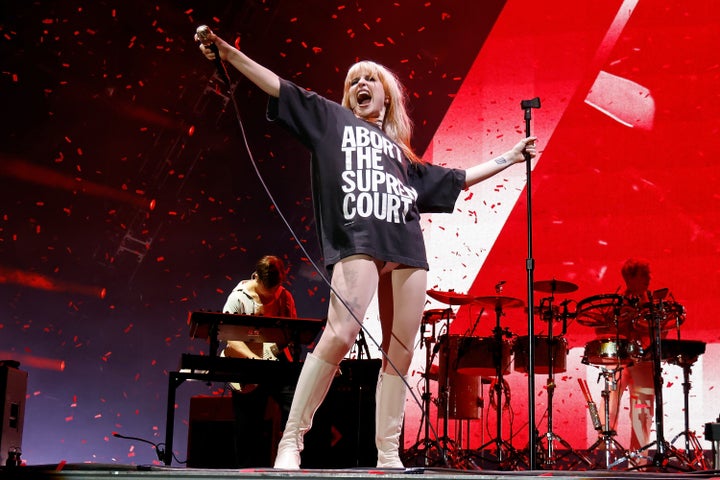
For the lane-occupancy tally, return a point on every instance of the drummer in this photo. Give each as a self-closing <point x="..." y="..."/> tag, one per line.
<point x="637" y="377"/>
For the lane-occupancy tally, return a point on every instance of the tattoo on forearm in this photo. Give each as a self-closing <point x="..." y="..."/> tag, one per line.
<point x="500" y="160"/>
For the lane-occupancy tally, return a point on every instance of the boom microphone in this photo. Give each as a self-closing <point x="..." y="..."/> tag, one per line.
<point x="203" y="33"/>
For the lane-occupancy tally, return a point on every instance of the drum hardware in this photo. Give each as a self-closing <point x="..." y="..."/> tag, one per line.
<point x="505" y="454"/>
<point x="655" y="317"/>
<point x="597" y="310"/>
<point x="672" y="316"/>
<point x="611" y="354"/>
<point x="607" y="440"/>
<point x="684" y="353"/>
<point x="431" y="451"/>
<point x="546" y="305"/>
<point x="451" y="387"/>
<point x="437" y="314"/>
<point x="463" y="359"/>
<point x="426" y="446"/>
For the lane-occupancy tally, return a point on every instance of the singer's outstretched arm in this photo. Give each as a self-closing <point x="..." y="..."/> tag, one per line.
<point x="478" y="173"/>
<point x="264" y="78"/>
<point x="269" y="82"/>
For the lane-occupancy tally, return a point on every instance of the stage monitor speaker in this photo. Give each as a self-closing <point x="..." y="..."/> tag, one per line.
<point x="13" y="388"/>
<point x="211" y="433"/>
<point x="211" y="441"/>
<point x="343" y="431"/>
<point x="342" y="434"/>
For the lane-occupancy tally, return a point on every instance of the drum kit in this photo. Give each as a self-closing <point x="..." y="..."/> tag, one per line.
<point x="465" y="361"/>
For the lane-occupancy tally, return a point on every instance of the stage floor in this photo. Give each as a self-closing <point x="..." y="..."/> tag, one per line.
<point x="104" y="472"/>
<point x="570" y="465"/>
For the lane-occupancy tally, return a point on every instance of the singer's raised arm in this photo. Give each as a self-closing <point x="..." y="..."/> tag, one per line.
<point x="264" y="78"/>
<point x="487" y="169"/>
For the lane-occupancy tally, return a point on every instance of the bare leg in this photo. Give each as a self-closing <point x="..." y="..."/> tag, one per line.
<point x="401" y="297"/>
<point x="354" y="280"/>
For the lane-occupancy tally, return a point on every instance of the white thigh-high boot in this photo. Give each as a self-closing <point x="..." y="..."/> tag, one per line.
<point x="312" y="386"/>
<point x="389" y="412"/>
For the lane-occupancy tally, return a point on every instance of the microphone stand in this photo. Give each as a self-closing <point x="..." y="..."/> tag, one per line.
<point x="527" y="106"/>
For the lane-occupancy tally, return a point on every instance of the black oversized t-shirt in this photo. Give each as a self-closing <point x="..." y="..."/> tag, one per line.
<point x="367" y="195"/>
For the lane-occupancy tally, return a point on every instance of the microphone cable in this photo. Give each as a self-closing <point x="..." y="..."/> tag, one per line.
<point x="159" y="447"/>
<point x="314" y="264"/>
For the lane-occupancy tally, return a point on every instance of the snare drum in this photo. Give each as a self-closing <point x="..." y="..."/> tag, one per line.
<point x="544" y="347"/>
<point x="611" y="351"/>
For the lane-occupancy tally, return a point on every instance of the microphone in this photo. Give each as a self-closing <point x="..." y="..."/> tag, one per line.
<point x="532" y="103"/>
<point x="203" y="33"/>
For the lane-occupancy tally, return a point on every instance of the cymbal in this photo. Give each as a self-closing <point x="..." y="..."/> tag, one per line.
<point x="660" y="294"/>
<point x="554" y="286"/>
<point x="450" y="297"/>
<point x="501" y="302"/>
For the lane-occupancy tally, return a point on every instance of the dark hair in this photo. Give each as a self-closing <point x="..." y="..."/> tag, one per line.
<point x="270" y="271"/>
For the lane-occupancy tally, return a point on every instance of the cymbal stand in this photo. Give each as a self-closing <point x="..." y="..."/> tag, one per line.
<point x="698" y="457"/>
<point x="606" y="440"/>
<point x="664" y="451"/>
<point x="426" y="446"/>
<point x="550" y="459"/>
<point x="505" y="454"/>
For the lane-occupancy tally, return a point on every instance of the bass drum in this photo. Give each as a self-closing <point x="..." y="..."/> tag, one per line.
<point x="544" y="347"/>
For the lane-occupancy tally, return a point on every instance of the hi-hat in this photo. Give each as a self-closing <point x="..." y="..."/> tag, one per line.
<point x="554" y="286"/>
<point x="500" y="302"/>
<point x="437" y="314"/>
<point x="451" y="297"/>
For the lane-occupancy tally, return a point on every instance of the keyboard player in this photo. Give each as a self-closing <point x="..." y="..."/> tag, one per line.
<point x="262" y="294"/>
<point x="256" y="434"/>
